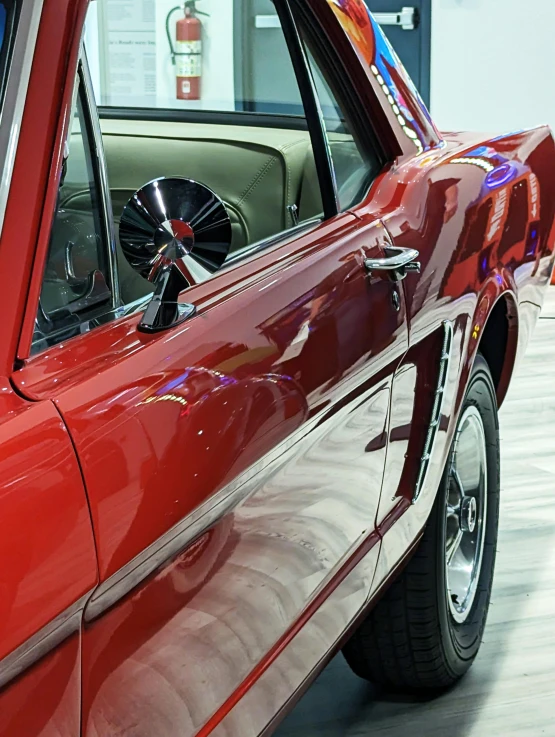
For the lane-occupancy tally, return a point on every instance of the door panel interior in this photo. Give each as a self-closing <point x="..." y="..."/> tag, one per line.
<point x="241" y="456"/>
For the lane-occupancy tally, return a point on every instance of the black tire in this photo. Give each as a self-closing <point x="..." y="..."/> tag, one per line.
<point x="410" y="642"/>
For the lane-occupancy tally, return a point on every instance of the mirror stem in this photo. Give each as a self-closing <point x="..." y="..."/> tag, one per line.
<point x="164" y="311"/>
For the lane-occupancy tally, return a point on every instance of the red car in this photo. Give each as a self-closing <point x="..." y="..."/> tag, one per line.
<point x="253" y="349"/>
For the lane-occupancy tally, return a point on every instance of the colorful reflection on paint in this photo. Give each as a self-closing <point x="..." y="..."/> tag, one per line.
<point x="504" y="217"/>
<point x="500" y="170"/>
<point x="501" y="175"/>
<point x="397" y="87"/>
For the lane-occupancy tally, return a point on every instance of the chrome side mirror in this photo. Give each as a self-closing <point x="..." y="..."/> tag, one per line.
<point x="174" y="232"/>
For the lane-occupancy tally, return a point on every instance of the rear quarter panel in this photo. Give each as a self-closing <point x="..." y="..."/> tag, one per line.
<point x="480" y="212"/>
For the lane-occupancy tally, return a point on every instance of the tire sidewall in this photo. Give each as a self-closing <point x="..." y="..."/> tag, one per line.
<point x="462" y="641"/>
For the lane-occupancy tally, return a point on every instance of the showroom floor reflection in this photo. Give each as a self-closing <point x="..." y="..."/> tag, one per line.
<point x="510" y="689"/>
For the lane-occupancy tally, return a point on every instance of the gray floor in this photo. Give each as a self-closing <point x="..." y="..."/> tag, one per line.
<point x="511" y="687"/>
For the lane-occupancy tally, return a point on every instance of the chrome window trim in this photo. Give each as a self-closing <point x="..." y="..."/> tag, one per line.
<point x="19" y="73"/>
<point x="101" y="317"/>
<point x="83" y="88"/>
<point x="106" y="211"/>
<point x="312" y="109"/>
<point x="274" y="240"/>
<point x="98" y="160"/>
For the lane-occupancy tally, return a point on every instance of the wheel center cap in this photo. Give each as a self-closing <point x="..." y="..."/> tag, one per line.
<point x="469" y="514"/>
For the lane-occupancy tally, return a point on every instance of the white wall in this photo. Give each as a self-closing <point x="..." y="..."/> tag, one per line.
<point x="493" y="64"/>
<point x="93" y="47"/>
<point x="218" y="83"/>
<point x="132" y="21"/>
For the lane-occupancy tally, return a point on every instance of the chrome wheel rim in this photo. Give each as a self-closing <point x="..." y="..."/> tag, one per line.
<point x="466" y="514"/>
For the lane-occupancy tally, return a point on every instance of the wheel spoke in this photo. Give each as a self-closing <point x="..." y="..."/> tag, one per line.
<point x="465" y="514"/>
<point x="458" y="483"/>
<point x="455" y="545"/>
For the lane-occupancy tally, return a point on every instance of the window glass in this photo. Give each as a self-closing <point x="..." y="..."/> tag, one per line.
<point x="354" y="166"/>
<point x="76" y="283"/>
<point x="217" y="74"/>
<point x="221" y="55"/>
<point x="237" y="126"/>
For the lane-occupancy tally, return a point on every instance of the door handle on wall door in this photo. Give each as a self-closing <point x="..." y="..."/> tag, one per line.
<point x="398" y="262"/>
<point x="407" y="18"/>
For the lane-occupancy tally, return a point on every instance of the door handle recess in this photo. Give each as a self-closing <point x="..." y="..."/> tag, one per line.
<point x="397" y="263"/>
<point x="407" y="18"/>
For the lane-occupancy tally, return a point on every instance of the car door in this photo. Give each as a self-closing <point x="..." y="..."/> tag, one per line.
<point x="233" y="464"/>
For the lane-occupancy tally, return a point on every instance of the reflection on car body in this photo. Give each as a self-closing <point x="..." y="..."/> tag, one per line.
<point x="221" y="450"/>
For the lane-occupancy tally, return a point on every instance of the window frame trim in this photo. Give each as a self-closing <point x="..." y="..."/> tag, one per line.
<point x="366" y="136"/>
<point x="101" y="175"/>
<point x="93" y="142"/>
<point x="312" y="109"/>
<point x="14" y="94"/>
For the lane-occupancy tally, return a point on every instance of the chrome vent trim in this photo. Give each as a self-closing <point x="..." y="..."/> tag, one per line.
<point x="443" y="375"/>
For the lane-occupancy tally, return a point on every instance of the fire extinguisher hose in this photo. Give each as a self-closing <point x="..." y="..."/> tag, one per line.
<point x="190" y="4"/>
<point x="173" y="52"/>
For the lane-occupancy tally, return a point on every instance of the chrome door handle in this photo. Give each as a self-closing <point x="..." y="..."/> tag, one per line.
<point x="397" y="263"/>
<point x="407" y="18"/>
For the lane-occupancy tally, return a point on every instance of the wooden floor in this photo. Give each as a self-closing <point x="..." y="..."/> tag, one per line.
<point x="511" y="687"/>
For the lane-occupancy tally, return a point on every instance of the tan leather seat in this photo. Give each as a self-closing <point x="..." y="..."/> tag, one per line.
<point x="258" y="172"/>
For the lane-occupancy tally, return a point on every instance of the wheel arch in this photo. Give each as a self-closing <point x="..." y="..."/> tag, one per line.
<point x="499" y="342"/>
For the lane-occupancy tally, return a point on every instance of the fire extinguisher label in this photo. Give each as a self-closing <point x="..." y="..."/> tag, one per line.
<point x="189" y="63"/>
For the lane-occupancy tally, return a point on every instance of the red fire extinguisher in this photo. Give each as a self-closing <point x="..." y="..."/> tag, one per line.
<point x="187" y="56"/>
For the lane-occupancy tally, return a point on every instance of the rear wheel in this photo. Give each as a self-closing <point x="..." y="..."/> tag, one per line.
<point x="426" y="631"/>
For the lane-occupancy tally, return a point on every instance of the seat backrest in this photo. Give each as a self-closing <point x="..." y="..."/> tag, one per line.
<point x="256" y="171"/>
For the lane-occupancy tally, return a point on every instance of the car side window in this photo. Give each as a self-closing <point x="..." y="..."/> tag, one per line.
<point x="77" y="283"/>
<point x="355" y="166"/>
<point x="252" y="138"/>
<point x="225" y="110"/>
